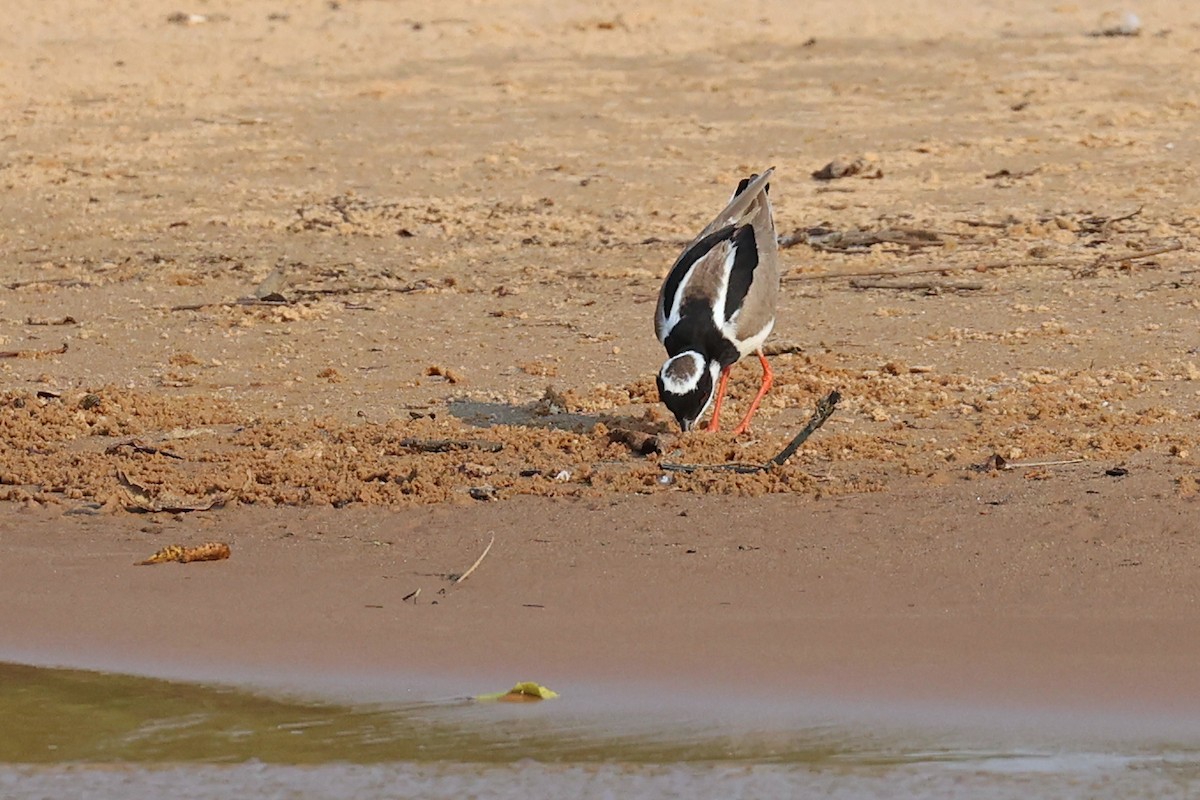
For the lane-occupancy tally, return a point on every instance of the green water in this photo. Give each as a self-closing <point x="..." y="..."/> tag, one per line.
<point x="59" y="715"/>
<point x="77" y="734"/>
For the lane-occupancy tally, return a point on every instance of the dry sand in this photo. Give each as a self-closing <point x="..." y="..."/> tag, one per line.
<point x="458" y="215"/>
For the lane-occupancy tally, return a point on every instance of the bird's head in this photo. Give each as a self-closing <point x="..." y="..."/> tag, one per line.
<point x="686" y="384"/>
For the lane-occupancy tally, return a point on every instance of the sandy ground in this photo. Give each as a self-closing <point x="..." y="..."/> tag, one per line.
<point x="351" y="285"/>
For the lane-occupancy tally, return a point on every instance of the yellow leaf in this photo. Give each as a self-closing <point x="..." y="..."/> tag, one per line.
<point x="210" y="551"/>
<point x="524" y="692"/>
<point x="172" y="553"/>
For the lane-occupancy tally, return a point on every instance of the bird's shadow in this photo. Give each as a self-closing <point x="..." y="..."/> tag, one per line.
<point x="545" y="413"/>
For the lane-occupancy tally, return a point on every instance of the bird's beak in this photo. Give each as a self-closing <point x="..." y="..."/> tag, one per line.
<point x="686" y="424"/>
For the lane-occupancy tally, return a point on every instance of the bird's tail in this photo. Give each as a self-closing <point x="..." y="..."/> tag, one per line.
<point x="744" y="183"/>
<point x="744" y="203"/>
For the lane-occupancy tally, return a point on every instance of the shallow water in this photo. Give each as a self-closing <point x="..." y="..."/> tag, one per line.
<point x="69" y="733"/>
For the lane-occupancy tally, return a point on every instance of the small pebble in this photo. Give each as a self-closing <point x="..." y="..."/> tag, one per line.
<point x="1130" y="25"/>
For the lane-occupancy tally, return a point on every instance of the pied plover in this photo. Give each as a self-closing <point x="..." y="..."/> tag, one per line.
<point x="717" y="305"/>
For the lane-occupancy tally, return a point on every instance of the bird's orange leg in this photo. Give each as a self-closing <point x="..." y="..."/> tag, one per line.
<point x="713" y="423"/>
<point x="767" y="379"/>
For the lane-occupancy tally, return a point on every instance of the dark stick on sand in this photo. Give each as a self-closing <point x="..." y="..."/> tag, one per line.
<point x="825" y="408"/>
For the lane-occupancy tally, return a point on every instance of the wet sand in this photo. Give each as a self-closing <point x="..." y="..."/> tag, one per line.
<point x="851" y="600"/>
<point x="458" y="219"/>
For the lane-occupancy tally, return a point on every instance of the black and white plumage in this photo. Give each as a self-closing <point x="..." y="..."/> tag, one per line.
<point x="717" y="305"/>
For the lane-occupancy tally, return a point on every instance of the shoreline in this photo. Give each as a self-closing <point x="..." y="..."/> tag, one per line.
<point x="862" y="608"/>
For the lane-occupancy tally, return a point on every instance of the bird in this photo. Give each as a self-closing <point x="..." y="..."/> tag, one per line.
<point x="717" y="306"/>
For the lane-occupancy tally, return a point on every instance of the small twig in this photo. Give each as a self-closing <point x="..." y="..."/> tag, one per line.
<point x="63" y="282"/>
<point x="244" y="301"/>
<point x="980" y="223"/>
<point x="138" y="447"/>
<point x="825" y="408"/>
<point x="999" y="463"/>
<point x="1007" y="173"/>
<point x="917" y="286"/>
<point x="1106" y="223"/>
<point x="59" y="321"/>
<point x="1027" y="464"/>
<point x="1111" y="258"/>
<point x="900" y="273"/>
<point x="34" y="353"/>
<point x="478" y="561"/>
<point x="413" y="595"/>
<point x="739" y="468"/>
<point x="821" y="238"/>
<point x="799" y="236"/>
<point x="445" y="445"/>
<point x="408" y="288"/>
<point x="1107" y="258"/>
<point x="268" y="293"/>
